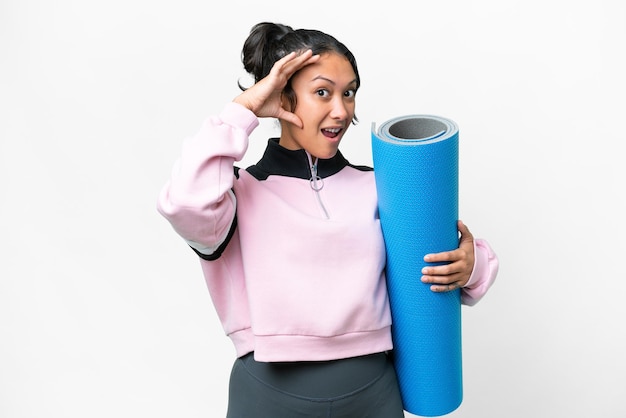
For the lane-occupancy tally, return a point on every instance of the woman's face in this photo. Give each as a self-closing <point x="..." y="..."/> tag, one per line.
<point x="325" y="94"/>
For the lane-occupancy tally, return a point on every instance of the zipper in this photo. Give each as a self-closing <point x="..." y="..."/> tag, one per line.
<point x="317" y="184"/>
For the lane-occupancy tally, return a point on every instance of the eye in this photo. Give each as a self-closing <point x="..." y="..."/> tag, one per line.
<point x="322" y="93"/>
<point x="350" y="93"/>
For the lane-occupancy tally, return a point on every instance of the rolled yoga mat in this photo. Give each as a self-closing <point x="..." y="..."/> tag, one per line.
<point x="416" y="170"/>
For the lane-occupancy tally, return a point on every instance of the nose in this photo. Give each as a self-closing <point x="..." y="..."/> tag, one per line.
<point x="340" y="110"/>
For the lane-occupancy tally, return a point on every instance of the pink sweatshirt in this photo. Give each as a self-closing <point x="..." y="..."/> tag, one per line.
<point x="295" y="268"/>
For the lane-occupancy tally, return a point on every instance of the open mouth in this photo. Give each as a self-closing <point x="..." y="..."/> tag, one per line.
<point x="331" y="132"/>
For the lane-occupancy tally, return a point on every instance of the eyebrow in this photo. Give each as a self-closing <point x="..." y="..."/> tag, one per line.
<point x="321" y="77"/>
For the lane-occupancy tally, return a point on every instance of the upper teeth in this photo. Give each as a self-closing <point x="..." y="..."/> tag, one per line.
<point x="334" y="130"/>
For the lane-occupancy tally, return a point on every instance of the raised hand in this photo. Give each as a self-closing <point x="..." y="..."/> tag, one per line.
<point x="264" y="98"/>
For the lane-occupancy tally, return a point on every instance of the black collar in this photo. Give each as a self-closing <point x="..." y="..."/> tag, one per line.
<point x="281" y="161"/>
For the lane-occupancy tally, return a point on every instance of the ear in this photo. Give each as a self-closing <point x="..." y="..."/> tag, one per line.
<point x="284" y="103"/>
<point x="286" y="93"/>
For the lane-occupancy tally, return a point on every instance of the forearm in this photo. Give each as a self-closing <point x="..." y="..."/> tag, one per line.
<point x="197" y="200"/>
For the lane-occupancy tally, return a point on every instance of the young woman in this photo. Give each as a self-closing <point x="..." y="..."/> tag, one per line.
<point x="291" y="248"/>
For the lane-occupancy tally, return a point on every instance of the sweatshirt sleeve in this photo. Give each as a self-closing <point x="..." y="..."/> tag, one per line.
<point x="484" y="273"/>
<point x="198" y="200"/>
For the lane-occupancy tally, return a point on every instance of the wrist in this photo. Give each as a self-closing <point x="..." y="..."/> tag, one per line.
<point x="241" y="101"/>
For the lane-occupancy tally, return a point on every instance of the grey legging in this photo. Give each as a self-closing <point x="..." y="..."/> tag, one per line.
<point x="359" y="387"/>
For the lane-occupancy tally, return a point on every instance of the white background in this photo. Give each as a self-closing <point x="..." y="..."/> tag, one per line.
<point x="103" y="309"/>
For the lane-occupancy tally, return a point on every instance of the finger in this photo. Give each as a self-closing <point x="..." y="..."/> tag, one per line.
<point x="442" y="270"/>
<point x="455" y="276"/>
<point x="438" y="288"/>
<point x="445" y="282"/>
<point x="285" y="66"/>
<point x="464" y="230"/>
<point x="305" y="57"/>
<point x="291" y="118"/>
<point x="445" y="256"/>
<point x="294" y="61"/>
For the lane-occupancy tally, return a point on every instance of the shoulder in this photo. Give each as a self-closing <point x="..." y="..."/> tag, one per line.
<point x="361" y="167"/>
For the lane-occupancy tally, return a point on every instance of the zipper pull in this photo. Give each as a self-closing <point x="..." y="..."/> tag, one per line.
<point x="317" y="184"/>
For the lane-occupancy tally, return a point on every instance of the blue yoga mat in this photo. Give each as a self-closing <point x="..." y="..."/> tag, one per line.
<point x="415" y="161"/>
